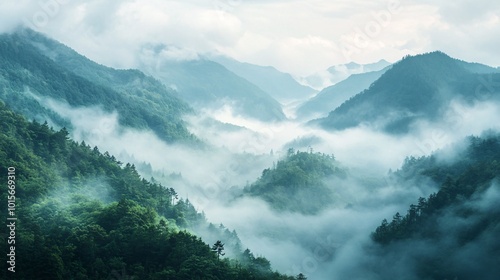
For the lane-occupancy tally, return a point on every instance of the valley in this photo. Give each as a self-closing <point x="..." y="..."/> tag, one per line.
<point x="395" y="165"/>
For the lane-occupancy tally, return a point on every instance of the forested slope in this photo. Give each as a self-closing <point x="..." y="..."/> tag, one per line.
<point x="454" y="232"/>
<point x="81" y="214"/>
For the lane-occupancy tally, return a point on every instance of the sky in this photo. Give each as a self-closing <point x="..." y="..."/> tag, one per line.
<point x="295" y="36"/>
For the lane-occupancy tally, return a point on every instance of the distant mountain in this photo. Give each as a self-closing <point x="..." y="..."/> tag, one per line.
<point x="418" y="87"/>
<point x="205" y="84"/>
<point x="333" y="96"/>
<point x="337" y="73"/>
<point x="281" y="86"/>
<point x="33" y="64"/>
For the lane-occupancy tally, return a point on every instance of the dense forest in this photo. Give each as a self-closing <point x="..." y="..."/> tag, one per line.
<point x="28" y="73"/>
<point x="460" y="223"/>
<point x="84" y="215"/>
<point x="297" y="182"/>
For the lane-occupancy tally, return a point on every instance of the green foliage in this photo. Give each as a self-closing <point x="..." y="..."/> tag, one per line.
<point x="296" y="183"/>
<point x="83" y="215"/>
<point x="453" y="220"/>
<point x="141" y="101"/>
<point x="477" y="166"/>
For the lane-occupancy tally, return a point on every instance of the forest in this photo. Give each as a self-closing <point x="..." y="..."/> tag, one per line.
<point x="296" y="183"/>
<point x="458" y="220"/>
<point x="84" y="215"/>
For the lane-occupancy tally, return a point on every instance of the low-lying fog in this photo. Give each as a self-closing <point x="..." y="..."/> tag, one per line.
<point x="329" y="245"/>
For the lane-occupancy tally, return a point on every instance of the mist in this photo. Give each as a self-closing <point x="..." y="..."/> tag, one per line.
<point x="329" y="245"/>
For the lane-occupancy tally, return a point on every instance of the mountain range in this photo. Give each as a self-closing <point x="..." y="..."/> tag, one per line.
<point x="206" y="84"/>
<point x="333" y="96"/>
<point x="85" y="215"/>
<point x="34" y="66"/>
<point x="281" y="86"/>
<point x="416" y="88"/>
<point x="340" y="72"/>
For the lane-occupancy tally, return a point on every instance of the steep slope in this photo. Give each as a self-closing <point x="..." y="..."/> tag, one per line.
<point x="333" y="96"/>
<point x="205" y="84"/>
<point x="419" y="87"/>
<point x="281" y="86"/>
<point x="454" y="232"/>
<point x="82" y="214"/>
<point x="36" y="64"/>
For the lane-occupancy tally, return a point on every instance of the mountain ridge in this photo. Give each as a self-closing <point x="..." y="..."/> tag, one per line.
<point x="414" y="88"/>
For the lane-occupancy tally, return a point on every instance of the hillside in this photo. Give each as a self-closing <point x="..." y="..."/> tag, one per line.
<point x="35" y="65"/>
<point x="81" y="214"/>
<point x="459" y="224"/>
<point x="416" y="88"/>
<point x="333" y="96"/>
<point x="281" y="86"/>
<point x="297" y="182"/>
<point x="205" y="84"/>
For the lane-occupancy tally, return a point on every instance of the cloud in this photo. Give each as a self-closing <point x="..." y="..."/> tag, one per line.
<point x="294" y="36"/>
<point x="330" y="244"/>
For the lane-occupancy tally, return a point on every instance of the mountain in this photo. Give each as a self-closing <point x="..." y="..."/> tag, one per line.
<point x="34" y="65"/>
<point x="340" y="72"/>
<point x="453" y="232"/>
<point x="281" y="86"/>
<point x="205" y="84"/>
<point x="416" y="88"/>
<point x="81" y="214"/>
<point x="296" y="183"/>
<point x="333" y="96"/>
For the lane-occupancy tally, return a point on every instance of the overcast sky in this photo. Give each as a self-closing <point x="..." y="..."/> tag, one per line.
<point x="300" y="37"/>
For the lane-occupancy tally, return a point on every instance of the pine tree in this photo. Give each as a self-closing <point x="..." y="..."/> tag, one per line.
<point x="218" y="248"/>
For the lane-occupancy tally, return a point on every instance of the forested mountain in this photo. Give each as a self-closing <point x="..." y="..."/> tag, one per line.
<point x="333" y="96"/>
<point x="453" y="233"/>
<point x="281" y="86"/>
<point x="81" y="214"/>
<point x="205" y="84"/>
<point x="416" y="88"/>
<point x="33" y="65"/>
<point x="297" y="182"/>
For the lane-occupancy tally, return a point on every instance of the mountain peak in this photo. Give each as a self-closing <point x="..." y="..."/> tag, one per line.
<point x="412" y="89"/>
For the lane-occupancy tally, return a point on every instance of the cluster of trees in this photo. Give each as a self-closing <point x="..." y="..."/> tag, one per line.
<point x="473" y="173"/>
<point x="459" y="180"/>
<point x="454" y="220"/>
<point x="297" y="182"/>
<point x="83" y="214"/>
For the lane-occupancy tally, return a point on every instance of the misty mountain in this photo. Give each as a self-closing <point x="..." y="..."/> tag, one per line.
<point x="297" y="182"/>
<point x="281" y="86"/>
<point x="454" y="232"/>
<point x="333" y="96"/>
<point x="205" y="84"/>
<point x="416" y="88"/>
<point x="92" y="216"/>
<point x="35" y="68"/>
<point x="338" y="73"/>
